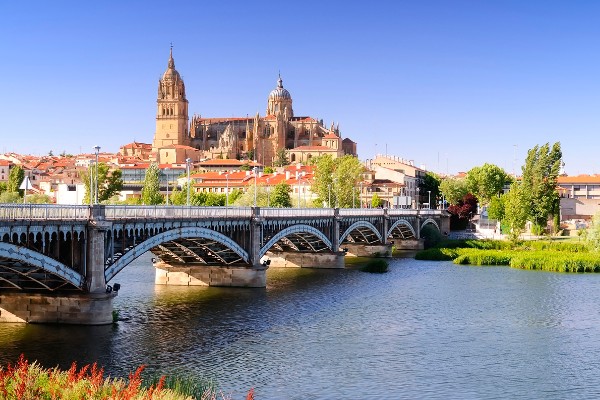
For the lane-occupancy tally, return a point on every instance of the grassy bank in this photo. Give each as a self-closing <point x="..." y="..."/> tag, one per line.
<point x="541" y="255"/>
<point x="26" y="380"/>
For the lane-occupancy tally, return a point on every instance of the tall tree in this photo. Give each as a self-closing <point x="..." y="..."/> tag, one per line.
<point x="431" y="183"/>
<point x="453" y="189"/>
<point x="486" y="182"/>
<point x="516" y="210"/>
<point x="281" y="158"/>
<point x="110" y="182"/>
<point x="280" y="196"/>
<point x="15" y="178"/>
<point x="151" y="188"/>
<point x="336" y="179"/>
<point x="540" y="175"/>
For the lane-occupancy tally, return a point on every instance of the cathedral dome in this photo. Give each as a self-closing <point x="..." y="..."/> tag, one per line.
<point x="279" y="92"/>
<point x="171" y="73"/>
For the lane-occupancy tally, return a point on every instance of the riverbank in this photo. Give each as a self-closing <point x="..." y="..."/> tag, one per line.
<point x="25" y="380"/>
<point x="535" y="255"/>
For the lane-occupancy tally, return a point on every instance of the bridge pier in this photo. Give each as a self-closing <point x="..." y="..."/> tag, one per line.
<point x="200" y="275"/>
<point x="80" y="308"/>
<point x="368" y="250"/>
<point x="283" y="259"/>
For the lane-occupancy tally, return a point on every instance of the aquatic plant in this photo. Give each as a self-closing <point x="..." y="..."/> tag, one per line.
<point x="376" y="266"/>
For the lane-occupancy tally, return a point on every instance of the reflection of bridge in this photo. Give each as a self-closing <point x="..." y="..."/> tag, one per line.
<point x="51" y="252"/>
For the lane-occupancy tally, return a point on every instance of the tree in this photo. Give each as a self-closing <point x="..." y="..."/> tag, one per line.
<point x="281" y="158"/>
<point x="15" y="178"/>
<point x="431" y="183"/>
<point x="110" y="182"/>
<point x="280" y="197"/>
<point x="336" y="178"/>
<point x="462" y="212"/>
<point x="516" y="210"/>
<point x="151" y="188"/>
<point x="3" y="187"/>
<point x="268" y="170"/>
<point x="486" y="182"/>
<point x="376" y="201"/>
<point x="453" y="189"/>
<point x="592" y="235"/>
<point x="39" y="199"/>
<point x="496" y="208"/>
<point x="10" y="197"/>
<point x="540" y="175"/>
<point x="247" y="199"/>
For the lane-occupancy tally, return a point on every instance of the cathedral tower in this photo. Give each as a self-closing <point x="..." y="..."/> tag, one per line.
<point x="280" y="102"/>
<point x="171" y="109"/>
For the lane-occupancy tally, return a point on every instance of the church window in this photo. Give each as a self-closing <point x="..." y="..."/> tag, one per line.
<point x="276" y="107"/>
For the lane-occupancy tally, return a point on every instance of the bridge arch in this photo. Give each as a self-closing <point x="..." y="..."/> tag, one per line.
<point x="401" y="223"/>
<point x="432" y="222"/>
<point x="32" y="258"/>
<point x="301" y="228"/>
<point x="173" y="234"/>
<point x="358" y="225"/>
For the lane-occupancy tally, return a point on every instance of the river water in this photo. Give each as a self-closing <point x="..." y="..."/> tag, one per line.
<point x="423" y="330"/>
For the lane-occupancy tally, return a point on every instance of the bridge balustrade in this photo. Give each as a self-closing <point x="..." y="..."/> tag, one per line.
<point x="296" y="212"/>
<point x="43" y="212"/>
<point x="360" y="211"/>
<point x="177" y="212"/>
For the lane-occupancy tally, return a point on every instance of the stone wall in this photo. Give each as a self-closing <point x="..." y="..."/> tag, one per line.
<point x="305" y="260"/>
<point x="84" y="309"/>
<point x="209" y="276"/>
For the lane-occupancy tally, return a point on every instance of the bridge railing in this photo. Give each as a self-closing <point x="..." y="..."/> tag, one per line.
<point x="348" y="212"/>
<point x="43" y="212"/>
<point x="296" y="212"/>
<point x="177" y="212"/>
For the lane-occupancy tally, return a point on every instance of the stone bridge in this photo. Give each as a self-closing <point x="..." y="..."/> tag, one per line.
<point x="60" y="258"/>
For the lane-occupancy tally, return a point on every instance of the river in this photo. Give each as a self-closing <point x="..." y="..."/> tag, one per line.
<point x="423" y="330"/>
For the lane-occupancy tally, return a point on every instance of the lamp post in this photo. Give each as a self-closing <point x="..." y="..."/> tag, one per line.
<point x="360" y="195"/>
<point x="268" y="193"/>
<point x="329" y="190"/>
<point x="97" y="148"/>
<point x="417" y="200"/>
<point x="353" y="195"/>
<point x="298" y="190"/>
<point x="91" y="191"/>
<point x="227" y="191"/>
<point x="254" y="170"/>
<point x="167" y="174"/>
<point x="188" y="161"/>
<point x="429" y="200"/>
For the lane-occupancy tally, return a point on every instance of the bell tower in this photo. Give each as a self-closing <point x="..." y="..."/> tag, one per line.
<point x="171" y="109"/>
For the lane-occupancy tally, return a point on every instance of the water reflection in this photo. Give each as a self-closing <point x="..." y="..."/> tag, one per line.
<point x="423" y="330"/>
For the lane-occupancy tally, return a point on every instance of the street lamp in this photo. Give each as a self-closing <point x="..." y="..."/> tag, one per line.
<point x="97" y="148"/>
<point x="298" y="190"/>
<point x="91" y="191"/>
<point x="418" y="200"/>
<point x="429" y="200"/>
<point x="167" y="174"/>
<point x="227" y="191"/>
<point x="329" y="189"/>
<point x="188" y="161"/>
<point x="254" y="170"/>
<point x="360" y="195"/>
<point x="268" y="193"/>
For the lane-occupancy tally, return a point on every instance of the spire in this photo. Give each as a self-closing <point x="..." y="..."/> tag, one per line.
<point x="279" y="81"/>
<point x="171" y="61"/>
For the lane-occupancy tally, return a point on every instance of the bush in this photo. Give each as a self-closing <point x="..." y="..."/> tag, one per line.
<point x="431" y="235"/>
<point x="376" y="266"/>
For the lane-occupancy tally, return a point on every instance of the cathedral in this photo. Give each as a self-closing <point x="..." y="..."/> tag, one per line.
<point x="259" y="138"/>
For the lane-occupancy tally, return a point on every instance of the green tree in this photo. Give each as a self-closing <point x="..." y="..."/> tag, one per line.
<point x="453" y="189"/>
<point x="151" y="187"/>
<point x="10" y="197"/>
<point x="280" y="196"/>
<point x="516" y="210"/>
<point x="15" y="178"/>
<point x="110" y="182"/>
<point x="247" y="198"/>
<point x="540" y="175"/>
<point x="3" y="187"/>
<point x="39" y="199"/>
<point x="268" y="170"/>
<point x="376" y="201"/>
<point x="338" y="178"/>
<point x="431" y="183"/>
<point x="281" y="158"/>
<point x="496" y="208"/>
<point x="592" y="234"/>
<point x="486" y="182"/>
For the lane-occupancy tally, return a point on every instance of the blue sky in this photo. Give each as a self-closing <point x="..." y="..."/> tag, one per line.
<point x="448" y="84"/>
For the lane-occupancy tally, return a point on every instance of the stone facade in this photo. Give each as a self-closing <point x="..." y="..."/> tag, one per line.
<point x="238" y="137"/>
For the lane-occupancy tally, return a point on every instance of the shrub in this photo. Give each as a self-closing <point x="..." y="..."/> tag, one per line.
<point x="376" y="266"/>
